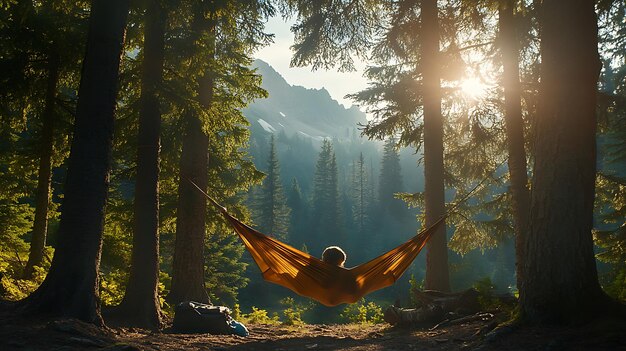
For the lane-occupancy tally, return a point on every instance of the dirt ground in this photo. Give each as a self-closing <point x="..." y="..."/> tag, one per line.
<point x="474" y="335"/>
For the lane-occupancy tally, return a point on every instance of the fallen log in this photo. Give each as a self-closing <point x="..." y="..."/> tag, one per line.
<point x="463" y="302"/>
<point x="483" y="316"/>
<point x="402" y="316"/>
<point x="434" y="306"/>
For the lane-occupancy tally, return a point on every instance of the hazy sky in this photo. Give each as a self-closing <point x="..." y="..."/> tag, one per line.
<point x="278" y="55"/>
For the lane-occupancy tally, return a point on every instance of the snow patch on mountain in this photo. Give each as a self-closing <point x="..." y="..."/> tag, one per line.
<point x="268" y="127"/>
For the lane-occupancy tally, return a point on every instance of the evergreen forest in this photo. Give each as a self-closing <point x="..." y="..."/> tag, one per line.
<point x="493" y="129"/>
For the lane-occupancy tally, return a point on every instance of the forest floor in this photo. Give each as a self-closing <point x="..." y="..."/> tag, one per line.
<point x="473" y="335"/>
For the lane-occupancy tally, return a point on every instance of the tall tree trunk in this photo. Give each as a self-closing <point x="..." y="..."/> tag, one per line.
<point x="437" y="276"/>
<point x="188" y="265"/>
<point x="560" y="282"/>
<point x="141" y="306"/>
<point x="40" y="225"/>
<point x="514" y="125"/>
<point x="71" y="287"/>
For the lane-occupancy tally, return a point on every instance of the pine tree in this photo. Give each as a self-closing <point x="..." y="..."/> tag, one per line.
<point x="40" y="225"/>
<point x="514" y="127"/>
<point x="42" y="46"/>
<point x="437" y="275"/>
<point x="82" y="218"/>
<point x="325" y="219"/>
<point x="361" y="196"/>
<point x="218" y="83"/>
<point x="272" y="204"/>
<point x="559" y="248"/>
<point x="298" y="214"/>
<point x="362" y="214"/>
<point x="141" y="305"/>
<point x="390" y="182"/>
<point x="188" y="265"/>
<point x="489" y="130"/>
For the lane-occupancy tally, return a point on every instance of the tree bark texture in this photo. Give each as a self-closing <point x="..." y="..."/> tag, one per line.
<point x="71" y="287"/>
<point x="560" y="282"/>
<point x="437" y="276"/>
<point x="188" y="265"/>
<point x="42" y="198"/>
<point x="514" y="127"/>
<point x="141" y="306"/>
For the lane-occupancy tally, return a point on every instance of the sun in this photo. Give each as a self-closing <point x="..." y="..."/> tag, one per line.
<point x="473" y="88"/>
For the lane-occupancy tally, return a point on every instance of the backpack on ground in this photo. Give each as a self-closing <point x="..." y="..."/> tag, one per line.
<point x="194" y="317"/>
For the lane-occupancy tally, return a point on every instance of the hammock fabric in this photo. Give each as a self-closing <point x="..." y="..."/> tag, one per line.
<point x="329" y="284"/>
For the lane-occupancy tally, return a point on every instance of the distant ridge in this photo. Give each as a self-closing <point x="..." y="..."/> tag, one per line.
<point x="310" y="113"/>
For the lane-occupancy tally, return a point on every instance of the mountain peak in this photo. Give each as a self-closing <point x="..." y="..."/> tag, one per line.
<point x="298" y="110"/>
<point x="268" y="72"/>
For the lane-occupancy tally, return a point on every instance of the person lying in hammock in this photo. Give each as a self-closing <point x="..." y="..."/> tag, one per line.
<point x="334" y="255"/>
<point x="328" y="283"/>
<point x="321" y="314"/>
<point x="326" y="280"/>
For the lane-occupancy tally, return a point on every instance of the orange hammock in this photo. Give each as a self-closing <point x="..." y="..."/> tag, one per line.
<point x="329" y="284"/>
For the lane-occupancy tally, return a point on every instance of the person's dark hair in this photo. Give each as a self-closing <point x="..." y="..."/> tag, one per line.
<point x="334" y="255"/>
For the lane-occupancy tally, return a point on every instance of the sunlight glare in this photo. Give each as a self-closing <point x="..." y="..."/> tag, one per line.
<point x="473" y="88"/>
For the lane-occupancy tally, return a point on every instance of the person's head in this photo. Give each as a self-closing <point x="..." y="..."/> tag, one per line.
<point x="334" y="255"/>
